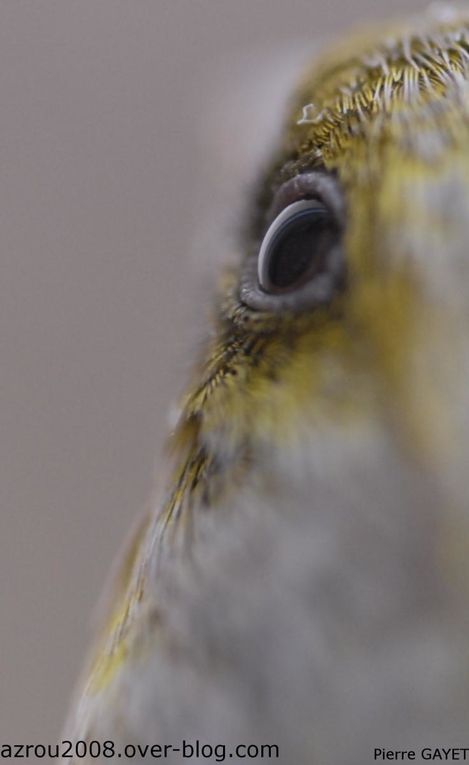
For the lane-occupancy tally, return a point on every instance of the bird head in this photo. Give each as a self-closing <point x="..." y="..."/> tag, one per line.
<point x="347" y="311"/>
<point x="327" y="424"/>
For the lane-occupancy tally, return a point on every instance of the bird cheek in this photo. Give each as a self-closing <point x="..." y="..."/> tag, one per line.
<point x="437" y="398"/>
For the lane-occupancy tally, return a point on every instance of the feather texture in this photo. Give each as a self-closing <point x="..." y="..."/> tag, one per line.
<point x="302" y="579"/>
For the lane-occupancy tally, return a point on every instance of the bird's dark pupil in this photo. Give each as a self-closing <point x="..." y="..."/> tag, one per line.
<point x="298" y="249"/>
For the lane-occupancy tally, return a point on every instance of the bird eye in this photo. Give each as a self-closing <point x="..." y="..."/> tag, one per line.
<point x="295" y="247"/>
<point x="300" y="262"/>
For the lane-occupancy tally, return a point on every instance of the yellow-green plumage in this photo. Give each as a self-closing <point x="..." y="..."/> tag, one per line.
<point x="317" y="498"/>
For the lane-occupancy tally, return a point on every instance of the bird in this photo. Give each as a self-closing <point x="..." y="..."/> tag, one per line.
<point x="299" y="589"/>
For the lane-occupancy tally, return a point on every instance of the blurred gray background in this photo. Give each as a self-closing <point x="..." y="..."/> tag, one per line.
<point x="122" y="123"/>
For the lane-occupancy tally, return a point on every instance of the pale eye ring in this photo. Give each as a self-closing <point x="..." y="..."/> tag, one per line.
<point x="296" y="245"/>
<point x="299" y="264"/>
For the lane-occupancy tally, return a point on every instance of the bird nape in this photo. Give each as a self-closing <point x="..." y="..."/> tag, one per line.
<point x="301" y="583"/>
